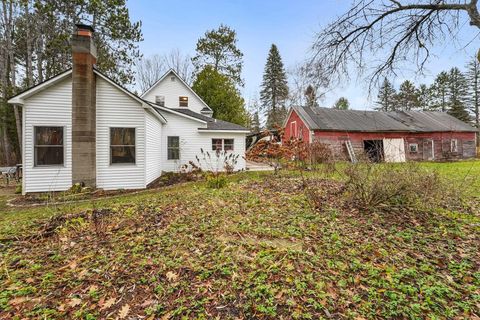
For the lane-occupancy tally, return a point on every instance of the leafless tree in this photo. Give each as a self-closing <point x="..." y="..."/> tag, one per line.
<point x="304" y="77"/>
<point x="376" y="38"/>
<point x="150" y="69"/>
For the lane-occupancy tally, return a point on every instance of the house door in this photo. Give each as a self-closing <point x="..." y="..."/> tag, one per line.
<point x="428" y="149"/>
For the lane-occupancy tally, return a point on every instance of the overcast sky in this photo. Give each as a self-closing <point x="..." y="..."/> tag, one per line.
<point x="291" y="25"/>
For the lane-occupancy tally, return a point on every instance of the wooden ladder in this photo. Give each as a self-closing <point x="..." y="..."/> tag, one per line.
<point x="351" y="152"/>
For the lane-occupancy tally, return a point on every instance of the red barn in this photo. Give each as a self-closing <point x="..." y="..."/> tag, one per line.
<point x="390" y="136"/>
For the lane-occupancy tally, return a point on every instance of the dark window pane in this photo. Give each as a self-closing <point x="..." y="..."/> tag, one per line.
<point x="173" y="148"/>
<point x="228" y="144"/>
<point x="48" y="155"/>
<point x="173" y="142"/>
<point x="217" y="144"/>
<point x="123" y="154"/>
<point x="48" y="136"/>
<point x="122" y="136"/>
<point x="173" y="154"/>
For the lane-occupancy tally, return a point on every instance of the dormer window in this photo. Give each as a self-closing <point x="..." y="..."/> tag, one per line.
<point x="183" y="101"/>
<point x="160" y="100"/>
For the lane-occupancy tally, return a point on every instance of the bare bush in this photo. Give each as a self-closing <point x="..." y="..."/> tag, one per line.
<point x="387" y="186"/>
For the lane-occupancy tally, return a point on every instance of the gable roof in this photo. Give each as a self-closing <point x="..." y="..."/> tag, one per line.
<point x="327" y="119"/>
<point x="183" y="82"/>
<point x="212" y="123"/>
<point x="18" y="98"/>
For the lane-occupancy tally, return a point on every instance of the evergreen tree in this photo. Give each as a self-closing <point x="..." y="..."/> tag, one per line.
<point x="255" y="123"/>
<point x="439" y="90"/>
<point x="274" y="90"/>
<point x="473" y="78"/>
<point x="218" y="49"/>
<point x="386" y="97"/>
<point x="425" y="99"/>
<point x="407" y="97"/>
<point x="457" y="95"/>
<point x="220" y="93"/>
<point x="342" y="104"/>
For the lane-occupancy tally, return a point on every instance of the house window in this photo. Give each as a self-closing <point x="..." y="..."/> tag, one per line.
<point x="122" y="145"/>
<point x="173" y="148"/>
<point x="183" y="101"/>
<point x="222" y="144"/>
<point x="413" y="147"/>
<point x="48" y="146"/>
<point x="454" y="145"/>
<point x="160" y="100"/>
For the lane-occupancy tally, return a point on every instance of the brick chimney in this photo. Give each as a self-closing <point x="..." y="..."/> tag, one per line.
<point x="84" y="55"/>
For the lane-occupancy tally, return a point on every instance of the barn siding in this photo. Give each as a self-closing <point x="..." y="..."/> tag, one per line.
<point x="191" y="141"/>
<point x="116" y="109"/>
<point x="302" y="130"/>
<point x="50" y="107"/>
<point x="172" y="90"/>
<point x="442" y="140"/>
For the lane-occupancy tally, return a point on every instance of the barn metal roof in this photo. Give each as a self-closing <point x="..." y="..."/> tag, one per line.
<point x="327" y="119"/>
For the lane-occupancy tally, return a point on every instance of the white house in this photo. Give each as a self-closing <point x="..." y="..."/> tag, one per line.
<point x="82" y="127"/>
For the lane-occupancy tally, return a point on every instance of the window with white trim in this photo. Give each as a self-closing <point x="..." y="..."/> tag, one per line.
<point x="454" y="145"/>
<point x="48" y="145"/>
<point x="183" y="101"/>
<point x="173" y="148"/>
<point x="222" y="144"/>
<point x="122" y="145"/>
<point x="413" y="147"/>
<point x="293" y="129"/>
<point x="160" y="100"/>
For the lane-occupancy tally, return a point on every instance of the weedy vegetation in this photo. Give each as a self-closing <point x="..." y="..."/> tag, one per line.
<point x="355" y="242"/>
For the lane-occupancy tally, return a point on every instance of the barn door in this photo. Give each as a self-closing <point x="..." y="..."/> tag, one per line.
<point x="394" y="150"/>
<point x="428" y="149"/>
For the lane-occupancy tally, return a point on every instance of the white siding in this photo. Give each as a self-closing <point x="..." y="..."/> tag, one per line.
<point x="191" y="141"/>
<point x="116" y="109"/>
<point x="154" y="147"/>
<point x="172" y="90"/>
<point x="50" y="107"/>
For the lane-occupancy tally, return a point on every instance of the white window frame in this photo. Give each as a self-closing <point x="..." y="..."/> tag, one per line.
<point x="180" y="101"/>
<point x="110" y="146"/>
<point x="168" y="148"/>
<point x="162" y="98"/>
<point x="454" y="145"/>
<point x="35" y="165"/>
<point x="410" y="145"/>
<point x="293" y="129"/>
<point x="223" y="144"/>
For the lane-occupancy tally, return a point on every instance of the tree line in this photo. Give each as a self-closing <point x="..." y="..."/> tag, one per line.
<point x="454" y="91"/>
<point x="34" y="46"/>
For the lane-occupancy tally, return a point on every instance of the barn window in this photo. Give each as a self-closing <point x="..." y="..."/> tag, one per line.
<point x="183" y="101"/>
<point x="293" y="129"/>
<point x="454" y="145"/>
<point x="222" y="144"/>
<point x="48" y="146"/>
<point x="173" y="148"/>
<point x="160" y="100"/>
<point x="122" y="145"/>
<point x="413" y="147"/>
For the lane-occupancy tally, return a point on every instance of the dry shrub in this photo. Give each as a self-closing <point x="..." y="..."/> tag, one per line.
<point x="405" y="186"/>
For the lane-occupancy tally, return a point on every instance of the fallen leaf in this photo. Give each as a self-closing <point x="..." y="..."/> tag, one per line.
<point x="74" y="302"/>
<point x="17" y="301"/>
<point x="124" y="311"/>
<point x="171" y="276"/>
<point x="107" y="304"/>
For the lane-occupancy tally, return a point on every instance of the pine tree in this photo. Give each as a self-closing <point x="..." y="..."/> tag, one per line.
<point x="473" y="78"/>
<point x="425" y="99"/>
<point x="386" y="97"/>
<point x="439" y="90"/>
<point x="457" y="95"/>
<point x="342" y="104"/>
<point x="407" y="97"/>
<point x="255" y="123"/>
<point x="274" y="89"/>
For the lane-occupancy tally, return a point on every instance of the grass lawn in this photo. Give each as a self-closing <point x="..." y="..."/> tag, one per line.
<point x="253" y="249"/>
